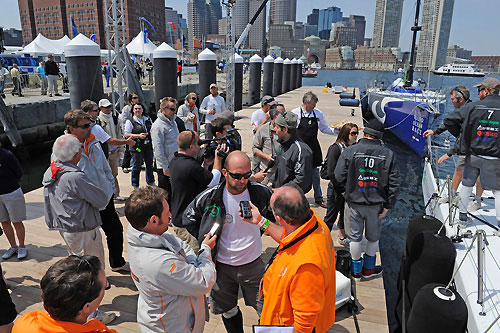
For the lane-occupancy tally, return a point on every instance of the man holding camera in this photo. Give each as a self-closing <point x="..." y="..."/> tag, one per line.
<point x="189" y="179"/>
<point x="238" y="244"/>
<point x="262" y="116"/>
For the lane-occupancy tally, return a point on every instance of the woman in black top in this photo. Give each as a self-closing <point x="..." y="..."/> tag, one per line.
<point x="348" y="135"/>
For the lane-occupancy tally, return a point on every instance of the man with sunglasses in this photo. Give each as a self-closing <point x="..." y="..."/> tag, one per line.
<point x="476" y="126"/>
<point x="261" y="116"/>
<point x="189" y="179"/>
<point x="164" y="135"/>
<point x="239" y="246"/>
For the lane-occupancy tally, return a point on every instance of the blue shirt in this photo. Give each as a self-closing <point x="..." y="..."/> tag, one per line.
<point x="41" y="71"/>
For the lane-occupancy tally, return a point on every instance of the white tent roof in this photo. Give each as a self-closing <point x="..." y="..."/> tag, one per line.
<point x="41" y="45"/>
<point x="138" y="47"/>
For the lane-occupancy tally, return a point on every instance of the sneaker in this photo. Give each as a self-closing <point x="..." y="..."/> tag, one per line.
<point x="105" y="317"/>
<point x="321" y="203"/>
<point x="344" y="241"/>
<point x="124" y="268"/>
<point x="9" y="253"/>
<point x="369" y="273"/>
<point x="22" y="253"/>
<point x="474" y="206"/>
<point x="121" y="198"/>
<point x="356" y="276"/>
<point x="464" y="220"/>
<point x="126" y="170"/>
<point x="58" y="94"/>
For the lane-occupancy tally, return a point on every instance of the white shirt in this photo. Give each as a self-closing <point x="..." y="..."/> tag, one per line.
<point x="3" y="72"/>
<point x="257" y="118"/>
<point x="209" y="103"/>
<point x="322" y="125"/>
<point x="240" y="241"/>
<point x="100" y="134"/>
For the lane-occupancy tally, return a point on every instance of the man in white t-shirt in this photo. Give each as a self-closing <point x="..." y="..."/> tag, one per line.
<point x="261" y="116"/>
<point x="239" y="246"/>
<point x="211" y="106"/>
<point x="3" y="72"/>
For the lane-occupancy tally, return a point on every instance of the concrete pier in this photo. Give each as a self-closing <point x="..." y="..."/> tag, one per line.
<point x="46" y="247"/>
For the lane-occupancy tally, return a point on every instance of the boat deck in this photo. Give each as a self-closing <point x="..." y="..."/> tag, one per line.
<point x="46" y="247"/>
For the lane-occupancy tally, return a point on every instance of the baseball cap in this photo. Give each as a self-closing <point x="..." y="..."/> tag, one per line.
<point x="268" y="100"/>
<point x="374" y="128"/>
<point x="213" y="85"/>
<point x="226" y="114"/>
<point x="489" y="82"/>
<point x="104" y="103"/>
<point x="286" y="119"/>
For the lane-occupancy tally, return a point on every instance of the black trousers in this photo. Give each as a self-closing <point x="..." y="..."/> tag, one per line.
<point x="127" y="157"/>
<point x="164" y="183"/>
<point x="113" y="230"/>
<point x="334" y="207"/>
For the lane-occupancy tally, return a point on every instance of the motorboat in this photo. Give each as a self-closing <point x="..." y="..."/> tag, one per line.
<point x="309" y="73"/>
<point x="459" y="70"/>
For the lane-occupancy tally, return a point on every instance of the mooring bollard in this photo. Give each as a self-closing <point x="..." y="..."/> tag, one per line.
<point x="165" y="65"/>
<point x="287" y="66"/>
<point x="254" y="87"/>
<point x="277" y="76"/>
<point x="207" y="72"/>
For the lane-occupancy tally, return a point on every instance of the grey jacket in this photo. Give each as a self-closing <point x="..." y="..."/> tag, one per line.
<point x="164" y="135"/>
<point x="183" y="112"/>
<point x="72" y="201"/>
<point x="171" y="280"/>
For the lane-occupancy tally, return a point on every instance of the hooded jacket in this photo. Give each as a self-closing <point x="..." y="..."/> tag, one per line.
<point x="164" y="135"/>
<point x="172" y="282"/>
<point x="41" y="322"/>
<point x="72" y="201"/>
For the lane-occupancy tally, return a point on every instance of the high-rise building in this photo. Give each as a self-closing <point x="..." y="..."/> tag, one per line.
<point x="310" y="30"/>
<point x="282" y="10"/>
<point x="172" y="25"/>
<point x="197" y="27"/>
<point x="435" y="34"/>
<point x="387" y="23"/>
<point x="240" y="17"/>
<point x="344" y="33"/>
<point x="312" y="18"/>
<point x="53" y="18"/>
<point x="359" y="23"/>
<point x="325" y="19"/>
<point x="257" y="35"/>
<point x="214" y="14"/>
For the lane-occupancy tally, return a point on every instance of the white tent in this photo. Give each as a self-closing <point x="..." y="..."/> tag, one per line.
<point x="138" y="47"/>
<point x="41" y="45"/>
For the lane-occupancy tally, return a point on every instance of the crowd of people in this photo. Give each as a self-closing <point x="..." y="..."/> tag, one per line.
<point x="218" y="202"/>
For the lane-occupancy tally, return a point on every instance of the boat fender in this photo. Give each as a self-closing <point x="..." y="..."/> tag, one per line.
<point x="349" y="102"/>
<point x="422" y="223"/>
<point x="437" y="309"/>
<point x="347" y="95"/>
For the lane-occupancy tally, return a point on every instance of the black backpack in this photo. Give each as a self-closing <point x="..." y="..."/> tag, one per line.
<point x="323" y="172"/>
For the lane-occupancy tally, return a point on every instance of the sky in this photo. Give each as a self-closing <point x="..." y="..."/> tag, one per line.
<point x="474" y="25"/>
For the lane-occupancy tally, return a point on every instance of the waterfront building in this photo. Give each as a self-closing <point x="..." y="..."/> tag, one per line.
<point x="325" y="19"/>
<point x="378" y="58"/>
<point x="281" y="11"/>
<point x="343" y="34"/>
<point x="359" y="23"/>
<point x="387" y="23"/>
<point x="52" y="18"/>
<point x="310" y="30"/>
<point x="12" y="37"/>
<point x="312" y="18"/>
<point x="456" y="51"/>
<point x="339" y="58"/>
<point x="488" y="64"/>
<point x="435" y="34"/>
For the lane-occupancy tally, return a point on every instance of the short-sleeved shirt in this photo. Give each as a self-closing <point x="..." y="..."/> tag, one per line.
<point x="41" y="72"/>
<point x="100" y="134"/>
<point x="257" y="118"/>
<point x="3" y="71"/>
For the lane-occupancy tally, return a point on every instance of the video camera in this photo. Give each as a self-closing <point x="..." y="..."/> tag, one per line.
<point x="230" y="139"/>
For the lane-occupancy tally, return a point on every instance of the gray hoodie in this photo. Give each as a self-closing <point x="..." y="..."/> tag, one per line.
<point x="171" y="280"/>
<point x="72" y="201"/>
<point x="164" y="135"/>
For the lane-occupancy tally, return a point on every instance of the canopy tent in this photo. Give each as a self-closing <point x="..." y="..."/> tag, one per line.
<point x="41" y="45"/>
<point x="138" y="47"/>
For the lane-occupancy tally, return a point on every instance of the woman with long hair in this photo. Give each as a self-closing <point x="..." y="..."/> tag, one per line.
<point x="348" y="135"/>
<point x="189" y="114"/>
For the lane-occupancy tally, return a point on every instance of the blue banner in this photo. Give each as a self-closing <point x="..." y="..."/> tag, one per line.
<point x="145" y="35"/>
<point x="73" y="26"/>
<point x="92" y="37"/>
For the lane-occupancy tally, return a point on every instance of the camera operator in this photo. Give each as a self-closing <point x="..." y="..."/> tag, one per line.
<point x="265" y="145"/>
<point x="223" y="133"/>
<point x="189" y="178"/>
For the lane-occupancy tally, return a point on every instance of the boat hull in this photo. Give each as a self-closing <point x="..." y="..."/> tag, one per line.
<point x="456" y="74"/>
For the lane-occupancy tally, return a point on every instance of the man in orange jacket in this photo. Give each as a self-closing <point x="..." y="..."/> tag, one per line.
<point x="80" y="282"/>
<point x="299" y="284"/>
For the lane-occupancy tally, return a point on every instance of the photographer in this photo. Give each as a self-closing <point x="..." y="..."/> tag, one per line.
<point x="189" y="179"/>
<point x="223" y="133"/>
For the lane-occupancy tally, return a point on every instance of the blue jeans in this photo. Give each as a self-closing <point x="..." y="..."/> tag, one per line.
<point x="318" y="195"/>
<point x="2" y="85"/>
<point x="145" y="155"/>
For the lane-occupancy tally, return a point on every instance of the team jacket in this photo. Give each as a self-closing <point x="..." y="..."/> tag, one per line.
<point x="299" y="286"/>
<point x="477" y="123"/>
<point x="208" y="208"/>
<point x="370" y="174"/>
<point x="294" y="165"/>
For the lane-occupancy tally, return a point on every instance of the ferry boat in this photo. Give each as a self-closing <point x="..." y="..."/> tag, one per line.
<point x="459" y="70"/>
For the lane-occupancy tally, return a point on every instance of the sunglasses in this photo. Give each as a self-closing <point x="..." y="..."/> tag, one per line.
<point x="87" y="125"/>
<point x="194" y="98"/>
<point x="172" y="109"/>
<point x="479" y="89"/>
<point x="135" y="97"/>
<point x="354" y="133"/>
<point x="238" y="176"/>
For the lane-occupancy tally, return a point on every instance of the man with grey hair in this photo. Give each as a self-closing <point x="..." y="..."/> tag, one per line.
<point x="309" y="121"/>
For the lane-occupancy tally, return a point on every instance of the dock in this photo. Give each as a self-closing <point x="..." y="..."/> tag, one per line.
<point x="46" y="247"/>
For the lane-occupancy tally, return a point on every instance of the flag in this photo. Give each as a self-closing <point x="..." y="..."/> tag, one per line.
<point x="183" y="42"/>
<point x="92" y="37"/>
<point x="73" y="26"/>
<point x="145" y="35"/>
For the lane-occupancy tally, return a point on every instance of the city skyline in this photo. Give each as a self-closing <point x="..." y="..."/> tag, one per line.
<point x="464" y="34"/>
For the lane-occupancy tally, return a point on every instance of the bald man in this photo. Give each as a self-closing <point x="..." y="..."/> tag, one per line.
<point x="238" y="248"/>
<point x="299" y="285"/>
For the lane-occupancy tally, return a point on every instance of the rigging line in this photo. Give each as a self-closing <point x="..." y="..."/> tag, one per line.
<point x="463" y="260"/>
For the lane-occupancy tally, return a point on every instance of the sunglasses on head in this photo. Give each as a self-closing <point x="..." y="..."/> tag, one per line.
<point x="238" y="176"/>
<point x="84" y="126"/>
<point x="458" y="92"/>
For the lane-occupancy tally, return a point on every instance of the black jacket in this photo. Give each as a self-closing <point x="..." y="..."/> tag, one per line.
<point x="208" y="208"/>
<point x="51" y="68"/>
<point x="294" y="165"/>
<point x="10" y="171"/>
<point x="477" y="124"/>
<point x="188" y="179"/>
<point x="332" y="158"/>
<point x="370" y="174"/>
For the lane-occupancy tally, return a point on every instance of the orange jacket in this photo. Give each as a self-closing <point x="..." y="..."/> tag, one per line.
<point x="41" y="322"/>
<point x="299" y="286"/>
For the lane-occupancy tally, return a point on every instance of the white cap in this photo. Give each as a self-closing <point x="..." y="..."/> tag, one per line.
<point x="238" y="59"/>
<point x="104" y="103"/>
<point x="206" y="54"/>
<point x="287" y="62"/>
<point x="81" y="46"/>
<point x="255" y="58"/>
<point x="164" y="51"/>
<point x="269" y="59"/>
<point x="278" y="60"/>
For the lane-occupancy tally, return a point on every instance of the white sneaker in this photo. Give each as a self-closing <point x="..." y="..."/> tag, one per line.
<point x="344" y="241"/>
<point x="21" y="253"/>
<point x="124" y="268"/>
<point x="105" y="317"/>
<point x="474" y="206"/>
<point x="444" y="200"/>
<point x="9" y="253"/>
